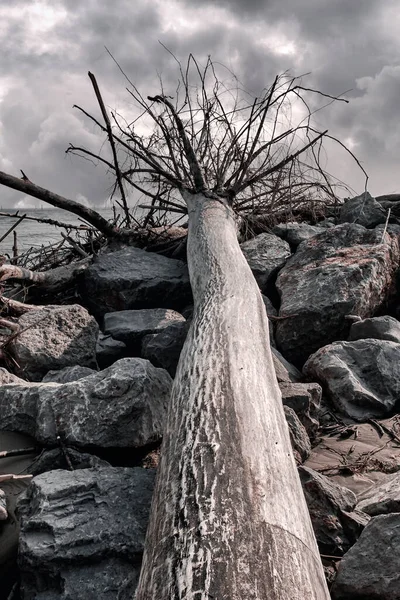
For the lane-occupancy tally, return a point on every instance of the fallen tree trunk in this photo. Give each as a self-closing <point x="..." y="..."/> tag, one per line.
<point x="228" y="519"/>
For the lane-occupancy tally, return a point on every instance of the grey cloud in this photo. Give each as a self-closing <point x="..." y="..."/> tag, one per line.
<point x="372" y="119"/>
<point x="338" y="40"/>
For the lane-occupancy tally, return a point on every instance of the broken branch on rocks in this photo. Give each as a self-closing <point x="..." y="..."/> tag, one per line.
<point x="14" y="307"/>
<point x="52" y="279"/>
<point x="11" y="476"/>
<point x="17" y="452"/>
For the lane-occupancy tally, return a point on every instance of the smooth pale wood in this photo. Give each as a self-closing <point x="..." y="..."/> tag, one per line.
<point x="228" y="518"/>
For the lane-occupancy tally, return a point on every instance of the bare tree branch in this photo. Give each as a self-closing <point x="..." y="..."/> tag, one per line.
<point x="195" y="169"/>
<point x="90" y="215"/>
<point x="112" y="145"/>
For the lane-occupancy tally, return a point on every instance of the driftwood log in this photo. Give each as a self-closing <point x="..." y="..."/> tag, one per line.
<point x="228" y="519"/>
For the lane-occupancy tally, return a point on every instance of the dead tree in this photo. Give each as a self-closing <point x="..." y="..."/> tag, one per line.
<point x="228" y="518"/>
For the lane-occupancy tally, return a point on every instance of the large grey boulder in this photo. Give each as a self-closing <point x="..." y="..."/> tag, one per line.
<point x="299" y="439"/>
<point x="345" y="270"/>
<point x="82" y="533"/>
<point x="52" y="338"/>
<point x="362" y="378"/>
<point x="364" y="210"/>
<point x="133" y="278"/>
<point x="392" y="198"/>
<point x="68" y="374"/>
<point x="123" y="406"/>
<point x="370" y="569"/>
<point x="296" y="233"/>
<point x="336" y="525"/>
<point x="266" y="254"/>
<point x="383" y="498"/>
<point x="392" y="202"/>
<point x="305" y="400"/>
<point x="130" y="326"/>
<point x="163" y="349"/>
<point x="379" y="328"/>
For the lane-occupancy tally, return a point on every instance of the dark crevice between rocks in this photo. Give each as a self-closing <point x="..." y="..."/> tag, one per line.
<point x="80" y="458"/>
<point x="391" y="306"/>
<point x="271" y="291"/>
<point x="125" y="457"/>
<point x="9" y="577"/>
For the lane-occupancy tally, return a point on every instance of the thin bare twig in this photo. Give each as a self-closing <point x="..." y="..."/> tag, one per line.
<point x="3" y="237"/>
<point x="16" y="215"/>
<point x="112" y="145"/>
<point x="18" y="452"/>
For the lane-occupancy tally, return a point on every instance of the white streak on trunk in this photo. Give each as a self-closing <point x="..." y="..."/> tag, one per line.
<point x="229" y="519"/>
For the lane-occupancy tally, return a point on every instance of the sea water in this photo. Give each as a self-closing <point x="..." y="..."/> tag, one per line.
<point x="31" y="234"/>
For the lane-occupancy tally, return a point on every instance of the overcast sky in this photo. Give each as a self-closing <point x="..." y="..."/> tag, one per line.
<point x="47" y="48"/>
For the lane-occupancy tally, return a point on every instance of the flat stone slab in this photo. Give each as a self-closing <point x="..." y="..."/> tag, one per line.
<point x="383" y="498"/>
<point x="378" y="328"/>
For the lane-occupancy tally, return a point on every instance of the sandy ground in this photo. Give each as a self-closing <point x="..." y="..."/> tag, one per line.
<point x="359" y="462"/>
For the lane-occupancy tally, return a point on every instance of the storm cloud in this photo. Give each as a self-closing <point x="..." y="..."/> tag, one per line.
<point x="47" y="48"/>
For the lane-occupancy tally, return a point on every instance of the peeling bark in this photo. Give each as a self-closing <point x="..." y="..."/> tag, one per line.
<point x="228" y="520"/>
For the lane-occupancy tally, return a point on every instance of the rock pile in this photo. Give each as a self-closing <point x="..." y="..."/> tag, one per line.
<point x="90" y="387"/>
